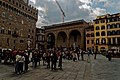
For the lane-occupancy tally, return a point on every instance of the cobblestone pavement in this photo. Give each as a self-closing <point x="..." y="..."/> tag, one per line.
<point x="90" y="69"/>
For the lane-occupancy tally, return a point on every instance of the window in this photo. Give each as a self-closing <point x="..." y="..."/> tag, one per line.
<point x="96" y="22"/>
<point x="8" y="41"/>
<point x="9" y="32"/>
<point x="9" y="23"/>
<point x="14" y="41"/>
<point x="92" y="34"/>
<point x="118" y="25"/>
<point x="40" y="38"/>
<point x="118" y="39"/>
<point x="113" y="26"/>
<point x="97" y="41"/>
<point x="88" y="35"/>
<point x="92" y="41"/>
<point x="87" y="41"/>
<point x="113" y="32"/>
<point x="2" y="31"/>
<point x="102" y="27"/>
<point x="97" y="27"/>
<point x="25" y="8"/>
<point x="118" y="32"/>
<point x="112" y="19"/>
<point x="108" y="26"/>
<point x="114" y="41"/>
<point x="21" y="41"/>
<point x="103" y="33"/>
<point x="28" y="36"/>
<point x="13" y="1"/>
<point x="29" y="30"/>
<point x="92" y="29"/>
<point x="32" y="31"/>
<point x="10" y="17"/>
<point x="102" y="21"/>
<point x="97" y="34"/>
<point x="109" y="40"/>
<point x="22" y="7"/>
<point x="103" y="41"/>
<point x="3" y="14"/>
<point x="109" y="33"/>
<point x="17" y="4"/>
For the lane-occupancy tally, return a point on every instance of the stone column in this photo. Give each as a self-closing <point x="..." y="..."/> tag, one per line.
<point x="82" y="43"/>
<point x="68" y="42"/>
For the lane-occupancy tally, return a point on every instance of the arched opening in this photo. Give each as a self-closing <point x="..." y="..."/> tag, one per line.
<point x="75" y="38"/>
<point x="62" y="39"/>
<point x="50" y="40"/>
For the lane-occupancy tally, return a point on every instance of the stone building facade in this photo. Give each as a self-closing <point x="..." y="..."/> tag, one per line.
<point x="90" y="37"/>
<point x="67" y="34"/>
<point x="107" y="32"/>
<point x="17" y="24"/>
<point x="40" y="38"/>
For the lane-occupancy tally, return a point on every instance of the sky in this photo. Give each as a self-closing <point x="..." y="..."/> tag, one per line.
<point x="49" y="12"/>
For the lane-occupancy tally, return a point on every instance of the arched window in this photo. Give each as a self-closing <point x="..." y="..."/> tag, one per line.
<point x="113" y="26"/>
<point x="9" y="32"/>
<point x="88" y="35"/>
<point x="102" y="27"/>
<point x="97" y="34"/>
<point x="3" y="4"/>
<point x="113" y="32"/>
<point x="108" y="26"/>
<point x="118" y="25"/>
<point x="92" y="34"/>
<point x="3" y="14"/>
<point x="109" y="33"/>
<point x="103" y="41"/>
<point x="97" y="28"/>
<point x="97" y="41"/>
<point x="2" y="31"/>
<point x="118" y="32"/>
<point x="103" y="33"/>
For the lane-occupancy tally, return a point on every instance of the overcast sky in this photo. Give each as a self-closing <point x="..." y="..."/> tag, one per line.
<point x="49" y="12"/>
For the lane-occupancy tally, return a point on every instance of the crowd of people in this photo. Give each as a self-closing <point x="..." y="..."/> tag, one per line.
<point x="52" y="58"/>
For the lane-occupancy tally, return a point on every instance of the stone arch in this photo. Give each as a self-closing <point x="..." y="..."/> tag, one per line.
<point x="50" y="40"/>
<point x="75" y="38"/>
<point x="62" y="39"/>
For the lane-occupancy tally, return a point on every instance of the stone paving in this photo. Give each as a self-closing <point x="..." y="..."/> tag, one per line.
<point x="99" y="69"/>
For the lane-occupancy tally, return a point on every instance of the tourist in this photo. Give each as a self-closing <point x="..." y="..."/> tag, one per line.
<point x="21" y="62"/>
<point x="74" y="56"/>
<point x="82" y="55"/>
<point x="17" y="66"/>
<point x="53" y="60"/>
<point x="60" y="60"/>
<point x="26" y="61"/>
<point x="109" y="55"/>
<point x="48" y="59"/>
